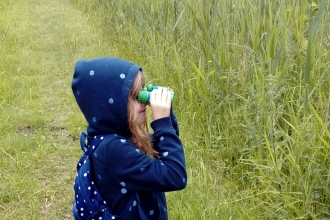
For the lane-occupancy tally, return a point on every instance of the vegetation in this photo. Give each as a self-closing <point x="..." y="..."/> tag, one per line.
<point x="251" y="81"/>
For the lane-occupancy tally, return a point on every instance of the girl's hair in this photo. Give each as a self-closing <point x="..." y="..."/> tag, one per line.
<point x="140" y="135"/>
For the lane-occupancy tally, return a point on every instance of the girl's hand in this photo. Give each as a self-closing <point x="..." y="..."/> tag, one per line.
<point x="160" y="103"/>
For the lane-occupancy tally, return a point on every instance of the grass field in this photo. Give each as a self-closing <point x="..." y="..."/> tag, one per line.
<point x="252" y="94"/>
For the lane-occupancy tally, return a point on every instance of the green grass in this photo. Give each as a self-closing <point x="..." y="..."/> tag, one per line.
<point x="251" y="82"/>
<point x="40" y="123"/>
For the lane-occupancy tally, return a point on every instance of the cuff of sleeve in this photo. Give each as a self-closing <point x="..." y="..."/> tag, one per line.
<point x="162" y="123"/>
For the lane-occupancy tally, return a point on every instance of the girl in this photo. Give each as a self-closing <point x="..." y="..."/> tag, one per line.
<point x="130" y="161"/>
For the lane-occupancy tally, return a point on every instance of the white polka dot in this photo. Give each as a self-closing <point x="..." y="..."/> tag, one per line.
<point x="123" y="184"/>
<point x="165" y="154"/>
<point x="123" y="190"/>
<point x="161" y="138"/>
<point x="82" y="209"/>
<point x="85" y="174"/>
<point x="95" y="192"/>
<point x="82" y="214"/>
<point x="94" y="119"/>
<point x="162" y="164"/>
<point x="122" y="140"/>
<point x="91" y="72"/>
<point x="122" y="76"/>
<point x="142" y="169"/>
<point x="134" y="203"/>
<point x="151" y="212"/>
<point x="137" y="150"/>
<point x="95" y="154"/>
<point x="102" y="138"/>
<point x="111" y="100"/>
<point x="184" y="180"/>
<point x="89" y="188"/>
<point x="99" y="176"/>
<point x="113" y="217"/>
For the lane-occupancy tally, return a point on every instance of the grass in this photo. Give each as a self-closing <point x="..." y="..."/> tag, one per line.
<point x="39" y="151"/>
<point x="252" y="96"/>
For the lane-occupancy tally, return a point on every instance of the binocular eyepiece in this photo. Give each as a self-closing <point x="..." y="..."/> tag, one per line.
<point x="144" y="94"/>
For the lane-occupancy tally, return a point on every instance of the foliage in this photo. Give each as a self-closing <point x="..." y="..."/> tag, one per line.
<point x="252" y="89"/>
<point x="251" y="81"/>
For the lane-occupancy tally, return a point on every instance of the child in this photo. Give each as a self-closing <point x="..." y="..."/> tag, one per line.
<point x="130" y="161"/>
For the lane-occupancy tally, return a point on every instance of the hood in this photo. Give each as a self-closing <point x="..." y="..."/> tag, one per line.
<point x="101" y="87"/>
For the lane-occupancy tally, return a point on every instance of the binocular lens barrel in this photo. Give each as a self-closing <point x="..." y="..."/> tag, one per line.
<point x="144" y="94"/>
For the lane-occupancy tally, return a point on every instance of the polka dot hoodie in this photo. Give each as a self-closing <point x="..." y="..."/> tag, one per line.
<point x="101" y="87"/>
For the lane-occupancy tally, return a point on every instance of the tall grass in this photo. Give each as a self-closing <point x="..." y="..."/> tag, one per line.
<point x="252" y="92"/>
<point x="251" y="81"/>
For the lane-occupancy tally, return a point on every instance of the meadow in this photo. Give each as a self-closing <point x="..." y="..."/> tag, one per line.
<point x="252" y="96"/>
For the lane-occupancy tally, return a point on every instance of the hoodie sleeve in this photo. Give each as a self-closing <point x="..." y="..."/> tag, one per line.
<point x="140" y="173"/>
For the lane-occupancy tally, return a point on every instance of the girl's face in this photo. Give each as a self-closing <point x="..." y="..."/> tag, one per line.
<point x="138" y="110"/>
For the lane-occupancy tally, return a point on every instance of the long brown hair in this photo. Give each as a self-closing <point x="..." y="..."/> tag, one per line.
<point x="140" y="135"/>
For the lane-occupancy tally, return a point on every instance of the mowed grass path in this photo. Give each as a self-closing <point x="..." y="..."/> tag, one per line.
<point x="39" y="42"/>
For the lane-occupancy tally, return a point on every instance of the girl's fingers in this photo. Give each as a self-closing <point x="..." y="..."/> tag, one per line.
<point x="153" y="96"/>
<point x="169" y="97"/>
<point x="161" y="95"/>
<point x="159" y="92"/>
<point x="160" y="103"/>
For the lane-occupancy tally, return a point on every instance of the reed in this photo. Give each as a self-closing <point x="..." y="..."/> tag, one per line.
<point x="251" y="81"/>
<point x="243" y="75"/>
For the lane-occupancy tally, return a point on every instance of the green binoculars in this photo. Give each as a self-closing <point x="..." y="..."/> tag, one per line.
<point x="144" y="94"/>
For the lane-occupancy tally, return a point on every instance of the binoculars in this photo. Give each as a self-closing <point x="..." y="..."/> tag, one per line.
<point x="144" y="94"/>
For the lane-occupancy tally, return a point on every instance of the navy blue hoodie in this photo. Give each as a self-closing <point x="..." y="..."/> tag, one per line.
<point x="101" y="87"/>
